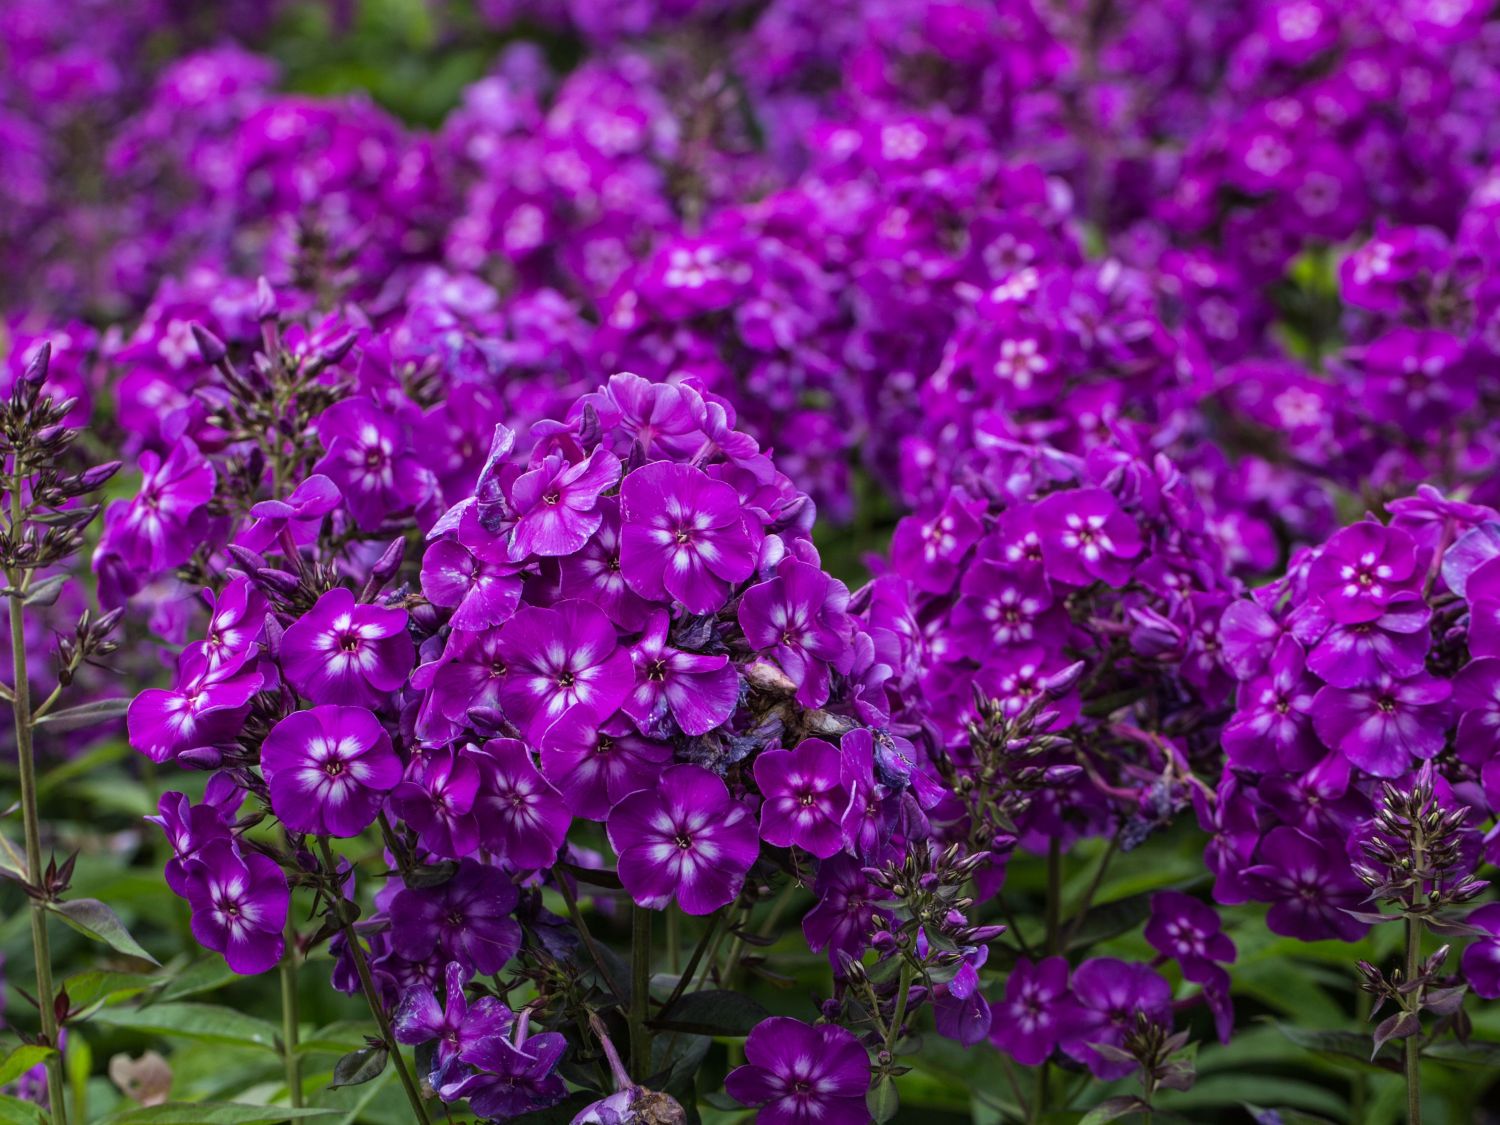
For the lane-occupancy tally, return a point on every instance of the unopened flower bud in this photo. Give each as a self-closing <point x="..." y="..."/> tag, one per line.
<point x="210" y="347"/>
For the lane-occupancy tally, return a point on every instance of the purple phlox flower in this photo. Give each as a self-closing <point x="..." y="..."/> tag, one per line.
<point x="347" y="653"/>
<point x="513" y="1075"/>
<point x="698" y="690"/>
<point x="1003" y="605"/>
<point x="1382" y="727"/>
<point x="684" y="536"/>
<point x="804" y="797"/>
<point x="560" y="658"/>
<point x="557" y="503"/>
<point x="1310" y="887"/>
<point x="369" y="459"/>
<point x="593" y="573"/>
<point x="522" y="819"/>
<point x="666" y="419"/>
<point x="1318" y="799"/>
<point x="595" y="766"/>
<point x="436" y="800"/>
<point x="1482" y="592"/>
<point x="475" y="580"/>
<point x="1272" y="728"/>
<point x="799" y="1074"/>
<point x="1362" y="569"/>
<point x="1190" y="932"/>
<point x="1247" y="637"/>
<point x="206" y="708"/>
<point x="1354" y="654"/>
<point x="470" y="674"/>
<point x="189" y="828"/>
<point x="1109" y="993"/>
<point x="1037" y="1009"/>
<point x="1233" y="820"/>
<point x="162" y="525"/>
<point x="1481" y="960"/>
<point x="329" y="770"/>
<point x="456" y="1023"/>
<point x="239" y="905"/>
<point x="959" y="1009"/>
<point x="871" y="814"/>
<point x="466" y="919"/>
<point x="237" y="617"/>
<point x="1476" y="698"/>
<point x="1086" y="537"/>
<point x="298" y="516"/>
<point x="929" y="550"/>
<point x="799" y="618"/>
<point x="687" y="838"/>
<point x="843" y="919"/>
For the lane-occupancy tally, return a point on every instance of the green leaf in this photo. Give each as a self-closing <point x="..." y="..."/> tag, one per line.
<point x="1477" y="1053"/>
<point x="22" y="1059"/>
<point x="84" y="715"/>
<point x="99" y="986"/>
<point x="361" y="1066"/>
<point x="13" y="1111"/>
<point x="92" y="918"/>
<point x="206" y="1023"/>
<point x="1110" y="919"/>
<point x="210" y="1113"/>
<point x="201" y="976"/>
<point x="1348" y="1049"/>
<point x="712" y="1012"/>
<point x="882" y="1101"/>
<point x="1112" y="1109"/>
<point x="12" y="862"/>
<point x="1285" y="1116"/>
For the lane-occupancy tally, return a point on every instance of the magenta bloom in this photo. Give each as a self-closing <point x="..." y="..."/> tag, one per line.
<point x="368" y="459"/>
<point x="206" y="708"/>
<point x="344" y="653"/>
<point x="804" y="797"/>
<point x="798" y="618"/>
<point x="697" y="690"/>
<point x="467" y="919"/>
<point x="593" y="573"/>
<point x="1038" y="1006"/>
<point x="480" y="586"/>
<point x="436" y="800"/>
<point x="1381" y="728"/>
<point x="560" y="658"/>
<point x="239" y="906"/>
<point x="802" y="1075"/>
<point x="928" y="550"/>
<point x="522" y="819"/>
<point x="1108" y="994"/>
<point x="1481" y="960"/>
<point x="1086" y="537"/>
<point x="686" y="837"/>
<point x="299" y="515"/>
<point x="684" y="535"/>
<point x="1310" y="886"/>
<point x="456" y="1024"/>
<point x="161" y="526"/>
<point x="237" y="618"/>
<point x="1188" y="931"/>
<point x="595" y="767"/>
<point x="329" y="770"/>
<point x="846" y="910"/>
<point x="1362" y="569"/>
<point x="1272" y="728"/>
<point x="557" y="504"/>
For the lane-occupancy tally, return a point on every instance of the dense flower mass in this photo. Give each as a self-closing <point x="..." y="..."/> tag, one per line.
<point x="680" y="552"/>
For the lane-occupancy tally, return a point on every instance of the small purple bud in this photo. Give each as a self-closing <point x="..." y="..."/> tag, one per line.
<point x="983" y="935"/>
<point x="265" y="300"/>
<point x="210" y="347"/>
<point x="1061" y="683"/>
<point x="36" y="370"/>
<point x="276" y="581"/>
<point x="1061" y="775"/>
<point x="201" y="758"/>
<point x="389" y="563"/>
<point x="246" y="560"/>
<point x="337" y="350"/>
<point x="98" y="476"/>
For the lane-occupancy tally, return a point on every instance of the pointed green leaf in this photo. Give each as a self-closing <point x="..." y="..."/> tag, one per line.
<point x="206" y="1023"/>
<point x="22" y="1059"/>
<point x="94" y="919"/>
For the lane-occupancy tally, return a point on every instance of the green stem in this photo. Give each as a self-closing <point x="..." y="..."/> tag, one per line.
<point x="576" y="915"/>
<point x="289" y="1020"/>
<point x="1039" y="1098"/>
<point x="640" y="992"/>
<point x="367" y="984"/>
<point x="1088" y="895"/>
<point x="1054" y="894"/>
<point x="1413" y="1042"/>
<point x="26" y="763"/>
<point x="898" y="1017"/>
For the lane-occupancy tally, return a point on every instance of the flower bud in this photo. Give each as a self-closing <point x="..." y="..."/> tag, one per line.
<point x="210" y="347"/>
<point x="36" y="370"/>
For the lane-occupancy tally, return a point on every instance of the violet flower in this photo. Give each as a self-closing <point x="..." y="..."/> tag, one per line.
<point x="797" y="1074"/>
<point x="329" y="769"/>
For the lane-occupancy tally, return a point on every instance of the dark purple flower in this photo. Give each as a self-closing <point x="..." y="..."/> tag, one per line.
<point x="514" y="1075"/>
<point x="1309" y="885"/>
<point x="522" y="820"/>
<point x="1086" y="537"/>
<point x="346" y="653"/>
<point x="1109" y="993"/>
<point x="160" y="527"/>
<point x="1357" y="653"/>
<point x="699" y="691"/>
<point x="1189" y="931"/>
<point x="843" y="919"/>
<point x="557" y="504"/>
<point x="1272" y="728"/>
<point x="802" y="1075"/>
<point x="593" y="573"/>
<point x="368" y="459"/>
<point x="466" y="919"/>
<point x="436" y="800"/>
<point x="206" y="708"/>
<point x="298" y="516"/>
<point x="329" y="770"/>
<point x="686" y="837"/>
<point x="239" y="905"/>
<point x="560" y="658"/>
<point x="455" y="1023"/>
<point x="1382" y="727"/>
<point x="929" y="550"/>
<point x="799" y="619"/>
<point x="1037" y="1008"/>
<point x="477" y="583"/>
<point x="1362" y="569"/>
<point x="1481" y="960"/>
<point x="596" y="766"/>
<point x="684" y="535"/>
<point x="804" y="797"/>
<point x="237" y="618"/>
<point x="1476" y="698"/>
